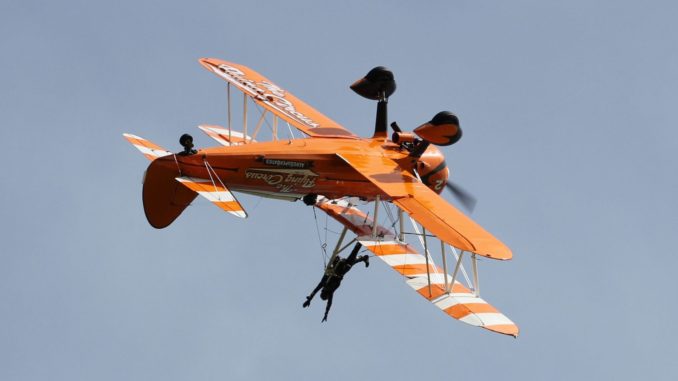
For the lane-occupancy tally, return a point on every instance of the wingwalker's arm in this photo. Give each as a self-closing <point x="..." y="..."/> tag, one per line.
<point x="320" y="285"/>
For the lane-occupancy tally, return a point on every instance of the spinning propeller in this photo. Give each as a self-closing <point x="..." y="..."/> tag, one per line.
<point x="464" y="197"/>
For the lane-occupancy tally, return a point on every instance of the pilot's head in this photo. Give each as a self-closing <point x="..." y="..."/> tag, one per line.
<point x="186" y="141"/>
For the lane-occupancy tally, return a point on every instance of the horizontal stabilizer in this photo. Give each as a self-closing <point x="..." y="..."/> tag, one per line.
<point x="225" y="136"/>
<point x="217" y="194"/>
<point x="151" y="150"/>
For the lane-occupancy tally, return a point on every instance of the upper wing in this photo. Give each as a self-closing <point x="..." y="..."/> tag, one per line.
<point x="275" y="99"/>
<point x="426" y="207"/>
<point x="459" y="303"/>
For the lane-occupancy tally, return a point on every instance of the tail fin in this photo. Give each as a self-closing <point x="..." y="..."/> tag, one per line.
<point x="151" y="150"/>
<point x="164" y="198"/>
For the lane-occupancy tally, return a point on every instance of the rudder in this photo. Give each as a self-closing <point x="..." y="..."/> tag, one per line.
<point x="164" y="198"/>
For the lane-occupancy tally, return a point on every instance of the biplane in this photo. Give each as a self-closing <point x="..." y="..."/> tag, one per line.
<point x="356" y="181"/>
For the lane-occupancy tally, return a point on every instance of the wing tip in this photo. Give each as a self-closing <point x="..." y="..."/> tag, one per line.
<point x="505" y="329"/>
<point x="241" y="214"/>
<point x="501" y="254"/>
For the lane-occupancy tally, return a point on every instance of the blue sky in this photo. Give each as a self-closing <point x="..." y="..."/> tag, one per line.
<point x="568" y="110"/>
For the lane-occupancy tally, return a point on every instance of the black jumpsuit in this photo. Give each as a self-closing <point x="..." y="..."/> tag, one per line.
<point x="333" y="276"/>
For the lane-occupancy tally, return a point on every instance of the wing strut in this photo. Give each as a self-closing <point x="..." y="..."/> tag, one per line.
<point x="442" y="253"/>
<point x="376" y="217"/>
<point x="476" y="285"/>
<point x="244" y="115"/>
<point x="401" y="222"/>
<point x="428" y="267"/>
<point x="228" y="96"/>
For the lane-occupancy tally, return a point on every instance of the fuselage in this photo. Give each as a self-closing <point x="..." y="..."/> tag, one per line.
<point x="294" y="168"/>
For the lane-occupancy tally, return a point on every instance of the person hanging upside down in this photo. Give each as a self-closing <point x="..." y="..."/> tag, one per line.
<point x="334" y="273"/>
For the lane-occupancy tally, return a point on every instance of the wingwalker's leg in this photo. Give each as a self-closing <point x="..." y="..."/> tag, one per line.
<point x="354" y="254"/>
<point x="329" y="305"/>
<point x="353" y="257"/>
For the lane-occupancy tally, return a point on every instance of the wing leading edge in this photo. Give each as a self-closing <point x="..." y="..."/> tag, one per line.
<point x="460" y="303"/>
<point x="426" y="207"/>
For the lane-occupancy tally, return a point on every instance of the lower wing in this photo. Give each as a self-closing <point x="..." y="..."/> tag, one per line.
<point x="419" y="272"/>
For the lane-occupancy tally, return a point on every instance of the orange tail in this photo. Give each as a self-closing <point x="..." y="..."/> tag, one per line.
<point x="164" y="197"/>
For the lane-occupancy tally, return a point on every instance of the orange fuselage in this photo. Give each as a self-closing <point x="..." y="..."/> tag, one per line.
<point x="294" y="168"/>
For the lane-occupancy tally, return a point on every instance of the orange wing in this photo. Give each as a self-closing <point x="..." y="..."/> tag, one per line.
<point x="280" y="102"/>
<point x="426" y="207"/>
<point x="459" y="302"/>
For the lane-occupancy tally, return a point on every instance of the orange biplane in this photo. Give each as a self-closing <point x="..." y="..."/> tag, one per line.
<point x="339" y="173"/>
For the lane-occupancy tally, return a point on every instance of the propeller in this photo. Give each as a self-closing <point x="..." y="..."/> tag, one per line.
<point x="464" y="197"/>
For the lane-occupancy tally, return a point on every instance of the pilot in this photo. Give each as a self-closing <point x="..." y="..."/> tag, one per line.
<point x="334" y="273"/>
<point x="186" y="141"/>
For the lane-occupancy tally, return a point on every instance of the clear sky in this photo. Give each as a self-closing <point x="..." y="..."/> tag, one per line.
<point x="569" y="117"/>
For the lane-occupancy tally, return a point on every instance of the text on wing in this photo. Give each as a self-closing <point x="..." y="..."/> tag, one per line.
<point x="265" y="92"/>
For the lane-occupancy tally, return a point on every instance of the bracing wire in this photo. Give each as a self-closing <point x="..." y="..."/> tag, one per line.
<point x="290" y="129"/>
<point x="261" y="112"/>
<point x="326" y="229"/>
<point x="323" y="245"/>
<point x="389" y="214"/>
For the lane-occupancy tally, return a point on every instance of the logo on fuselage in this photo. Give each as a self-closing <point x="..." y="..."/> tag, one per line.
<point x="288" y="163"/>
<point x="284" y="180"/>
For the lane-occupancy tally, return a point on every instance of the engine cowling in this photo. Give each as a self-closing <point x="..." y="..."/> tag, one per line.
<point x="432" y="169"/>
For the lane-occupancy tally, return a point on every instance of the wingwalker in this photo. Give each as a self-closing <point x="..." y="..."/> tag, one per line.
<point x="370" y="186"/>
